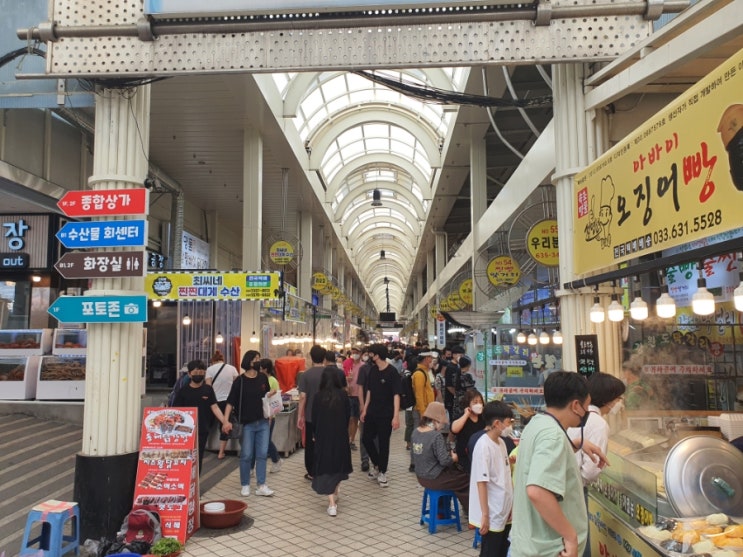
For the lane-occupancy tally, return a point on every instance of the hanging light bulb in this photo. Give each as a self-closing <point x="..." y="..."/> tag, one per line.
<point x="703" y="301"/>
<point x="36" y="278"/>
<point x="521" y="337"/>
<point x="275" y="340"/>
<point x="557" y="337"/>
<point x="219" y="339"/>
<point x="597" y="314"/>
<point x="186" y="320"/>
<point x="544" y="337"/>
<point x="253" y="338"/>
<point x="615" y="310"/>
<point x="638" y="308"/>
<point x="532" y="339"/>
<point x="665" y="306"/>
<point x="156" y="303"/>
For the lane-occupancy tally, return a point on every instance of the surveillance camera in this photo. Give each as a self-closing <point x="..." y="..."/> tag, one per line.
<point x="149" y="183"/>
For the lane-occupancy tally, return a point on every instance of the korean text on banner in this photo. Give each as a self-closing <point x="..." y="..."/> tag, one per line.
<point x="676" y="178"/>
<point x="212" y="286"/>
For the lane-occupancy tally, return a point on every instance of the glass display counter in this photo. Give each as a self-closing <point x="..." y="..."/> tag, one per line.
<point x="18" y="377"/>
<point x="61" y="378"/>
<point x="25" y="342"/>
<point x="70" y="341"/>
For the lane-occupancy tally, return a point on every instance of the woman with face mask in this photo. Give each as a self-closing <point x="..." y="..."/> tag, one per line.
<point x="468" y="424"/>
<point x="432" y="459"/>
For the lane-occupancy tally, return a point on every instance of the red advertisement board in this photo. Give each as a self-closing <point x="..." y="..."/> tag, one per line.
<point x="168" y="472"/>
<point x="104" y="203"/>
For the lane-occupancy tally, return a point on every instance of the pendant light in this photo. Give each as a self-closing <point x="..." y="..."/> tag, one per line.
<point x="703" y="301"/>
<point x="597" y="314"/>
<point x="638" y="309"/>
<point x="557" y="337"/>
<point x="544" y="337"/>
<point x="186" y="320"/>
<point x="156" y="303"/>
<point x="615" y="310"/>
<point x="521" y="337"/>
<point x="219" y="339"/>
<point x="253" y="338"/>
<point x="532" y="339"/>
<point x="665" y="306"/>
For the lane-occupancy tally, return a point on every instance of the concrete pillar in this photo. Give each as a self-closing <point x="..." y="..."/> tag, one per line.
<point x="304" y="274"/>
<point x="212" y="235"/>
<point x="430" y="266"/>
<point x="579" y="138"/>
<point x="105" y="469"/>
<point x="250" y="319"/>
<point x="478" y="197"/>
<point x="441" y="253"/>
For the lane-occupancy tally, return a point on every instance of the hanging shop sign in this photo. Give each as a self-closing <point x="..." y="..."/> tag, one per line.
<point x="320" y="282"/>
<point x="455" y="301"/>
<point x="103" y="234"/>
<point x="440" y="331"/>
<point x="587" y="354"/>
<point x="100" y="309"/>
<point x="465" y="291"/>
<point x="104" y="203"/>
<point x="101" y="264"/>
<point x="677" y="178"/>
<point x="433" y="311"/>
<point x="541" y="243"/>
<point x="212" y="286"/>
<point x="194" y="252"/>
<point x="281" y="252"/>
<point x="503" y="270"/>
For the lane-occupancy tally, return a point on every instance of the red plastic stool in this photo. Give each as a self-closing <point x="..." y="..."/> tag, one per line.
<point x="53" y="515"/>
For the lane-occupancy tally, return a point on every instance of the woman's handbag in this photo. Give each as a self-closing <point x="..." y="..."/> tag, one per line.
<point x="237" y="428"/>
<point x="272" y="405"/>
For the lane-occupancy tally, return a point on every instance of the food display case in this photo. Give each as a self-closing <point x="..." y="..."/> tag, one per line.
<point x="61" y="378"/>
<point x="70" y="341"/>
<point x="25" y="342"/>
<point x="18" y="377"/>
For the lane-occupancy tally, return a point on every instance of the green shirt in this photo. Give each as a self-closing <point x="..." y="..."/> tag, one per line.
<point x="546" y="459"/>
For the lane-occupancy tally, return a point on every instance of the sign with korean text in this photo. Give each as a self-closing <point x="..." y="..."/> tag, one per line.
<point x="465" y="291"/>
<point x="195" y="252"/>
<point x="168" y="471"/>
<point x="212" y="286"/>
<point x="281" y="252"/>
<point x="541" y="242"/>
<point x="440" y="331"/>
<point x="320" y="283"/>
<point x="531" y="391"/>
<point x="27" y="236"/>
<point x="103" y="234"/>
<point x="101" y="264"/>
<point x="503" y="270"/>
<point x="508" y="362"/>
<point x="100" y="309"/>
<point x="104" y="203"/>
<point x="611" y="537"/>
<point x="720" y="272"/>
<point x="677" y="178"/>
<point x="587" y="354"/>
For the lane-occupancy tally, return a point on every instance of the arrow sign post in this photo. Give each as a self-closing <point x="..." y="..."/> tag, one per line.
<point x="100" y="309"/>
<point x="101" y="264"/>
<point x="104" y="203"/>
<point x="103" y="234"/>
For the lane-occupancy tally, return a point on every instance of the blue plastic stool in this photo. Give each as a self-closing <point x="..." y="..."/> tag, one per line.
<point x="477" y="540"/>
<point x="53" y="515"/>
<point x="430" y="509"/>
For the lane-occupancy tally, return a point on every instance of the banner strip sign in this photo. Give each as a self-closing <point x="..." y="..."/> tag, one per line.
<point x="213" y="286"/>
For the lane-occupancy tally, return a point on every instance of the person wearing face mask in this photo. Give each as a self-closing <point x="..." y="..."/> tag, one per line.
<point x="467" y="425"/>
<point x="201" y="396"/>
<point x="432" y="458"/>
<point x="549" y="513"/>
<point x="606" y="398"/>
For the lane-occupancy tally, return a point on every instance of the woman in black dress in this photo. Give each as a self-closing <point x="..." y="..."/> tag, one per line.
<point x="331" y="411"/>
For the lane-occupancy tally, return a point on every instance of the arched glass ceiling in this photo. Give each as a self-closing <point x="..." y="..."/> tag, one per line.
<point x="373" y="138"/>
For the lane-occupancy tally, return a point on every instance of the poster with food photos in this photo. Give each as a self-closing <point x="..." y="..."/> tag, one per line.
<point x="168" y="471"/>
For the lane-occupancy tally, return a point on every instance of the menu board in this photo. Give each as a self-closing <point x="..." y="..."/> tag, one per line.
<point x="168" y="472"/>
<point x="587" y="354"/>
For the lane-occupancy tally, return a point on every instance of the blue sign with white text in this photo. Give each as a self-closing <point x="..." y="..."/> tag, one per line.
<point x="100" y="309"/>
<point x="103" y="234"/>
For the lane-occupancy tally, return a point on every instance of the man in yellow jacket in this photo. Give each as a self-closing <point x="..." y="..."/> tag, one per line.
<point x="423" y="391"/>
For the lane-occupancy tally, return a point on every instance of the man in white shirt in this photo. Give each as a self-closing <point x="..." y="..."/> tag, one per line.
<point x="220" y="376"/>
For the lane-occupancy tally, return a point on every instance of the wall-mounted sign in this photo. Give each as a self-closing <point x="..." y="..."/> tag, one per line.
<point x="13" y="261"/>
<point x="28" y="236"/>
<point x="194" y="252"/>
<point x="212" y="286"/>
<point x="103" y="203"/>
<point x="541" y="242"/>
<point x="675" y="179"/>
<point x="103" y="234"/>
<point x="587" y="354"/>
<point x="99" y="309"/>
<point x="281" y="252"/>
<point x="101" y="264"/>
<point x="503" y="270"/>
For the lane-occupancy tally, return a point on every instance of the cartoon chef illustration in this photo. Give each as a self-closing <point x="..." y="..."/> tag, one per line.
<point x="731" y="134"/>
<point x="605" y="214"/>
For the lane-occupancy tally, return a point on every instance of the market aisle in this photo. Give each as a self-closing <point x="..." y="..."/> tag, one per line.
<point x="371" y="520"/>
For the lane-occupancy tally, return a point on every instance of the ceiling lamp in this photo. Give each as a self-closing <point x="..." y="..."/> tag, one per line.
<point x="219" y="339"/>
<point x="665" y="306"/>
<point x="597" y="314"/>
<point x="186" y="320"/>
<point x="544" y="337"/>
<point x="376" y="198"/>
<point x="521" y="337"/>
<point x="703" y="301"/>
<point x="253" y="338"/>
<point x="557" y="337"/>
<point x="156" y="303"/>
<point x="638" y="309"/>
<point x="615" y="310"/>
<point x="36" y="278"/>
<point x="532" y="339"/>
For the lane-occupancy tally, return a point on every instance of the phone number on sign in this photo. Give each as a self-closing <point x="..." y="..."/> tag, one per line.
<point x="689" y="226"/>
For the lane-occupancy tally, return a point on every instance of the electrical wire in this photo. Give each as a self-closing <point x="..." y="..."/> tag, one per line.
<point x="17" y="53"/>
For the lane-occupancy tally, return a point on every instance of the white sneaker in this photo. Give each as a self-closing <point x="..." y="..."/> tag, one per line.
<point x="264" y="491"/>
<point x="382" y="479"/>
<point x="276" y="466"/>
<point x="373" y="473"/>
<point x="333" y="510"/>
<point x="245" y="491"/>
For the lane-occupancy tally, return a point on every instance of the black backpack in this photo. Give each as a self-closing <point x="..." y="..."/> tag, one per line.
<point x="407" y="395"/>
<point x="182" y="381"/>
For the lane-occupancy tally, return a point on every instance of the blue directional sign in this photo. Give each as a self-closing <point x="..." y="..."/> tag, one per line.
<point x="100" y="309"/>
<point x="103" y="234"/>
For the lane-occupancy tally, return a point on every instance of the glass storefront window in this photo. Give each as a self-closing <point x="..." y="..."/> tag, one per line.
<point x="15" y="299"/>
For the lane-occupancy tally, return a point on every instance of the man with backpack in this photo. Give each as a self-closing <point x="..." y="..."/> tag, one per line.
<point x="421" y="391"/>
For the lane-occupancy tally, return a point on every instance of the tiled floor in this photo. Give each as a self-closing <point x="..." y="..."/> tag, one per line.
<point x="371" y="520"/>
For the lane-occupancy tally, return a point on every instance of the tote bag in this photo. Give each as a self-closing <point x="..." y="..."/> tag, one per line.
<point x="272" y="405"/>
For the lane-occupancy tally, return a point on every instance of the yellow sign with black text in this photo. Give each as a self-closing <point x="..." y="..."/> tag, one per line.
<point x="212" y="286"/>
<point x="541" y="241"/>
<point x="676" y="178"/>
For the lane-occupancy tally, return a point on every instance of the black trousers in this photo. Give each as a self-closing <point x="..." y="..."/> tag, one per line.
<point x="495" y="544"/>
<point x="379" y="430"/>
<point x="309" y="448"/>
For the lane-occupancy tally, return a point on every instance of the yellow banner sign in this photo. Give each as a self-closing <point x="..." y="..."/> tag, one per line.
<point x="465" y="291"/>
<point x="281" y="252"/>
<point x="319" y="282"/>
<point x="541" y="241"/>
<point x="212" y="286"/>
<point x="675" y="179"/>
<point x="503" y="270"/>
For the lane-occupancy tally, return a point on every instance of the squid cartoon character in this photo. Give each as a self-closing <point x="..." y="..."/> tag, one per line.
<point x="605" y="213"/>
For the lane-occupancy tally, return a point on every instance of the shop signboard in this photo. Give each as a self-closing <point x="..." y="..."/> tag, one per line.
<point x="104" y="203"/>
<point x="612" y="537"/>
<point x="541" y="242"/>
<point x="13" y="261"/>
<point x="674" y="180"/>
<point x="103" y="234"/>
<point x="587" y="352"/>
<point x="27" y="236"/>
<point x="101" y="264"/>
<point x="168" y="472"/>
<point x="194" y="252"/>
<point x="100" y="309"/>
<point x="212" y="286"/>
<point x="440" y="331"/>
